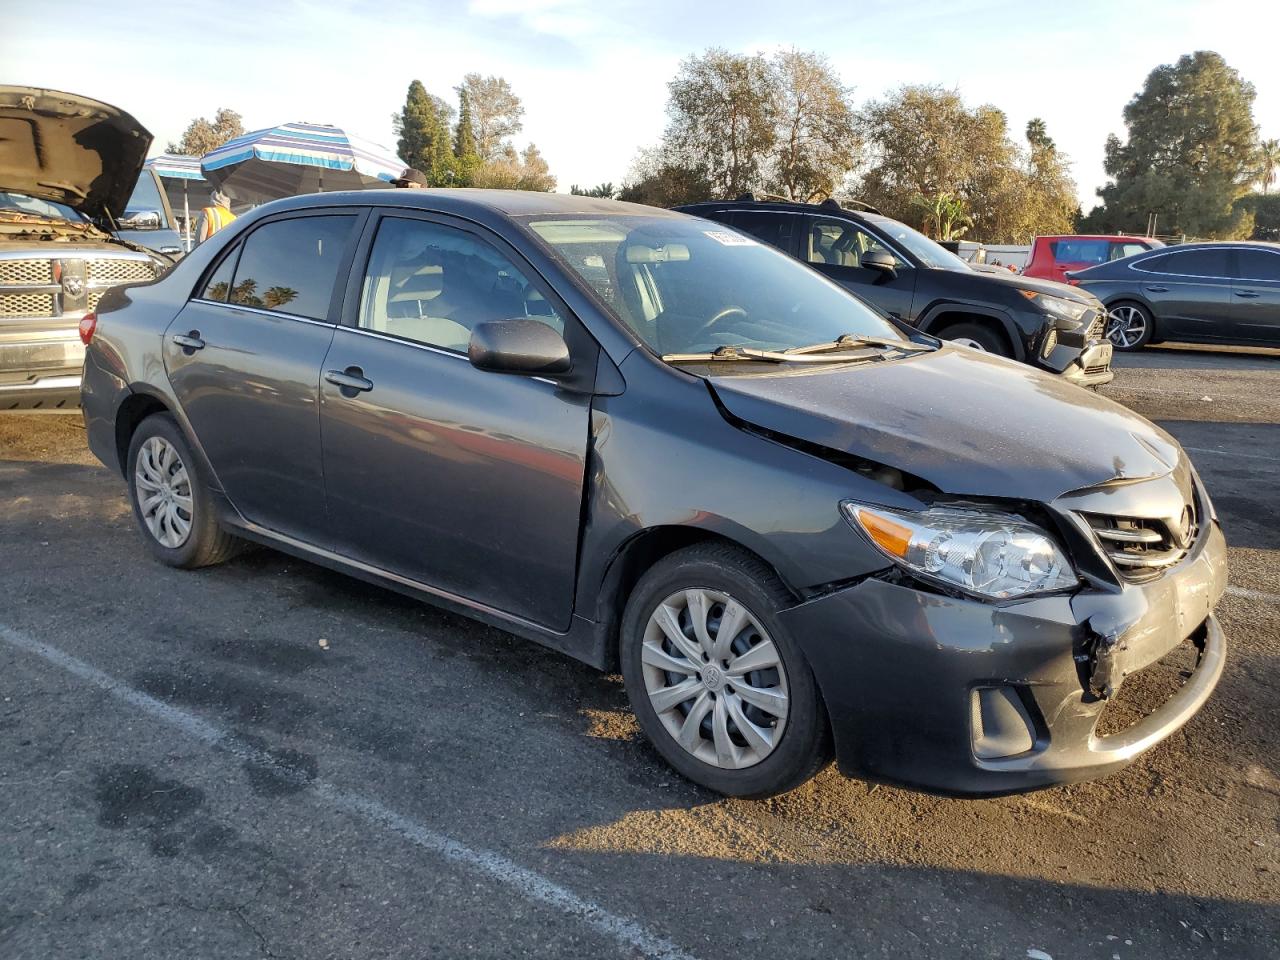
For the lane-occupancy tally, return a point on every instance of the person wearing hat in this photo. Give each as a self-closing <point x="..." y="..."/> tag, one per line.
<point x="213" y="218"/>
<point x="411" y="179"/>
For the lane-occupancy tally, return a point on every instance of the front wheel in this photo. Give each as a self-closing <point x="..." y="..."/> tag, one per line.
<point x="171" y="501"/>
<point x="1129" y="326"/>
<point x="977" y="337"/>
<point x="716" y="682"/>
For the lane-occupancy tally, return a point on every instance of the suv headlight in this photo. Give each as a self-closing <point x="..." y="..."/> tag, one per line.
<point x="992" y="555"/>
<point x="1072" y="310"/>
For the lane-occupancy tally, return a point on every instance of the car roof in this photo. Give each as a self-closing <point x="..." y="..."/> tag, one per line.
<point x="464" y="200"/>
<point x="1092" y="236"/>
<point x="788" y="206"/>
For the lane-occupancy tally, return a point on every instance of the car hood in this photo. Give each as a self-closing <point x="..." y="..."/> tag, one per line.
<point x="1051" y="287"/>
<point x="968" y="423"/>
<point x="69" y="149"/>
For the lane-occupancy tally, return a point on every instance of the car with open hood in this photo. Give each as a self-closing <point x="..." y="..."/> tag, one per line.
<point x="69" y="166"/>
<point x="907" y="275"/>
<point x="796" y="527"/>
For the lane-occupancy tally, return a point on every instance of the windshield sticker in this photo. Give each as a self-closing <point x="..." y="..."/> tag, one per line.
<point x="730" y="239"/>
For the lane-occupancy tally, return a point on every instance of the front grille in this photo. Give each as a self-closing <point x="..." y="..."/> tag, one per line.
<point x="1094" y="368"/>
<point x="26" y="271"/>
<point x="114" y="270"/>
<point x="1096" y="328"/>
<point x="1140" y="548"/>
<point x="1144" y="691"/>
<point x="26" y="305"/>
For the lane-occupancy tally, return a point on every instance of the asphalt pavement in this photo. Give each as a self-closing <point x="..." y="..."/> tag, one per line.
<point x="267" y="759"/>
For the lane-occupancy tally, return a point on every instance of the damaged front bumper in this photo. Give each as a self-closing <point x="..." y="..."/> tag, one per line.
<point x="962" y="697"/>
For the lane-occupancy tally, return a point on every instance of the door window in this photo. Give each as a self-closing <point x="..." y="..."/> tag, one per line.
<point x="1258" y="265"/>
<point x="218" y="283"/>
<point x="432" y="284"/>
<point x="1080" y="250"/>
<point x="772" y="228"/>
<point x="1210" y="263"/>
<point x="1121" y="250"/>
<point x="840" y="243"/>
<point x="291" y="266"/>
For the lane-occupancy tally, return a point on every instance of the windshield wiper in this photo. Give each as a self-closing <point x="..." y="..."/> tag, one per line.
<point x="765" y="356"/>
<point x="858" y="340"/>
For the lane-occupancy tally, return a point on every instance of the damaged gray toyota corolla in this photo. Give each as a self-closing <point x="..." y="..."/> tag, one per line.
<point x="650" y="442"/>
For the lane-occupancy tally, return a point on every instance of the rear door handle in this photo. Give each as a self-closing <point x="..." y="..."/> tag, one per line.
<point x="188" y="341"/>
<point x="351" y="381"/>
<point x="1157" y="289"/>
<point x="1247" y="294"/>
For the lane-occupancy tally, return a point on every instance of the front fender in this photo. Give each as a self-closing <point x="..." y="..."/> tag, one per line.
<point x="931" y="316"/>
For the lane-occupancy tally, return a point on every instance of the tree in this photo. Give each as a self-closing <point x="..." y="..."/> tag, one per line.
<point x="203" y="135"/>
<point x="606" y="191"/>
<point x="945" y="216"/>
<point x="927" y="147"/>
<point x="1269" y="163"/>
<point x="657" y="181"/>
<point x="466" y="159"/>
<point x="516" y="171"/>
<point x="722" y="112"/>
<point x="422" y="127"/>
<point x="496" y="113"/>
<point x="816" y="138"/>
<point x="1190" y="154"/>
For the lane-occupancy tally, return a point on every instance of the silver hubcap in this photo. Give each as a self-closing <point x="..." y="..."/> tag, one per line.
<point x="715" y="678"/>
<point x="1125" y="326"/>
<point x="163" y="490"/>
<point x="966" y="342"/>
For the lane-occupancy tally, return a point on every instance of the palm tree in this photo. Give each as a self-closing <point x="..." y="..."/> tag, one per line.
<point x="1270" y="157"/>
<point x="946" y="214"/>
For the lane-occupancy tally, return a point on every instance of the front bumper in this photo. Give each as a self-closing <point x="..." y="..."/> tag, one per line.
<point x="901" y="670"/>
<point x="1093" y="367"/>
<point x="40" y="369"/>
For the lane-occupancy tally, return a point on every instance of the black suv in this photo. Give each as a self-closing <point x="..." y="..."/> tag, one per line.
<point x="910" y="277"/>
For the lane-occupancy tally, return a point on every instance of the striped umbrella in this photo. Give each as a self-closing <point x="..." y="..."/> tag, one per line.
<point x="296" y="158"/>
<point x="178" y="172"/>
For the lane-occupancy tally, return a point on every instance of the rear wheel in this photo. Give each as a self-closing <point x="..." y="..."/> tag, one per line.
<point x="978" y="337"/>
<point x="1129" y="326"/>
<point x="716" y="682"/>
<point x="171" y="501"/>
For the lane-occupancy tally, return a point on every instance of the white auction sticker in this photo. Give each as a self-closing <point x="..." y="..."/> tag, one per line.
<point x="730" y="239"/>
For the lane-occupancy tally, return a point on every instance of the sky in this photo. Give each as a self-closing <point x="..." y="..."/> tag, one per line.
<point x="593" y="75"/>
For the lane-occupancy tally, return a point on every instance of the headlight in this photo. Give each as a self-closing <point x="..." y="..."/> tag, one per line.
<point x="988" y="554"/>
<point x="1058" y="306"/>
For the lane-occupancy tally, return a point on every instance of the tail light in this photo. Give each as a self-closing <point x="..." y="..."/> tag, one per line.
<point x="88" y="324"/>
<point x="1073" y="281"/>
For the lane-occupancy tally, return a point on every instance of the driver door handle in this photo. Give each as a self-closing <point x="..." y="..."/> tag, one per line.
<point x="188" y="341"/>
<point x="1247" y="294"/>
<point x="351" y="379"/>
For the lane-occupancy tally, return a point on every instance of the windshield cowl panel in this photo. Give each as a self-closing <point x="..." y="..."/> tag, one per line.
<point x="688" y="288"/>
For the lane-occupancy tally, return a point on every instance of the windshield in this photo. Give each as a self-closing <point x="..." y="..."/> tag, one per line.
<point x="146" y="200"/>
<point x="689" y="286"/>
<point x="21" y="203"/>
<point x="925" y="249"/>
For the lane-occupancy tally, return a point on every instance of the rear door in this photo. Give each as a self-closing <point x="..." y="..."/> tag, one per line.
<point x="244" y="358"/>
<point x="834" y="247"/>
<point x="1255" y="295"/>
<point x="468" y="481"/>
<point x="1189" y="291"/>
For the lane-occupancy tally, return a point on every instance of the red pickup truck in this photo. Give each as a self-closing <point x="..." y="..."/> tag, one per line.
<point x="1052" y="257"/>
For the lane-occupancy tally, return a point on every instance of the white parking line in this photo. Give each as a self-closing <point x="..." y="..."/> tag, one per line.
<point x="1253" y="594"/>
<point x="527" y="883"/>
<point x="1232" y="453"/>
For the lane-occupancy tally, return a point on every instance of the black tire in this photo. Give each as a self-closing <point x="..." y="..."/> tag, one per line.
<point x="804" y="747"/>
<point x="1123" y="314"/>
<point x="988" y="340"/>
<point x="207" y="542"/>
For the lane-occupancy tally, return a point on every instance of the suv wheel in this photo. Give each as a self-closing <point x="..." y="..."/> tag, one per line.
<point x="978" y="337"/>
<point x="716" y="682"/>
<point x="1129" y="326"/>
<point x="171" y="502"/>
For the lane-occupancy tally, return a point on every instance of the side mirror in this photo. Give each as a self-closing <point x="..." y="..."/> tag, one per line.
<point x="879" y="260"/>
<point x="140" y="220"/>
<point x="520" y="345"/>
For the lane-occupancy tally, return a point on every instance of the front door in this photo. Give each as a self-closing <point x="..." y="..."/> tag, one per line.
<point x="834" y="248"/>
<point x="244" y="359"/>
<point x="468" y="481"/>
<point x="1255" y="295"/>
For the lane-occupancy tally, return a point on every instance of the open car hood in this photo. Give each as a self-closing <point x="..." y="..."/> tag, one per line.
<point x="968" y="423"/>
<point x="69" y="149"/>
